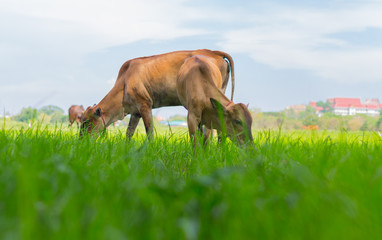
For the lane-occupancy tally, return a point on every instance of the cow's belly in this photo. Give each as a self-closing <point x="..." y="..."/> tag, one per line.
<point x="165" y="99"/>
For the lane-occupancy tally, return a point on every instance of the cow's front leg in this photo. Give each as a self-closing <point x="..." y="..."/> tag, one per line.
<point x="146" y="114"/>
<point x="193" y="122"/>
<point x="134" y="120"/>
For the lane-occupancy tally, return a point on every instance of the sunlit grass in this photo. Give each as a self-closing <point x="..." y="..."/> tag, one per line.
<point x="288" y="185"/>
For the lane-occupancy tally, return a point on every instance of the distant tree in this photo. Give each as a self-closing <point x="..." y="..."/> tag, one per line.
<point x="310" y="120"/>
<point x="356" y="123"/>
<point x="273" y="114"/>
<point x="50" y="109"/>
<point x="58" y="117"/>
<point x="378" y="125"/>
<point x="255" y="110"/>
<point x="26" y="115"/>
<point x="177" y="118"/>
<point x="327" y="106"/>
<point x="290" y="113"/>
<point x="309" y="116"/>
<point x="365" y="126"/>
<point x="333" y="123"/>
<point x="330" y="115"/>
<point x="309" y="111"/>
<point x="320" y="103"/>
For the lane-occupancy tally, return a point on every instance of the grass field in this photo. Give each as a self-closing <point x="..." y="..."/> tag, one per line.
<point x="288" y="185"/>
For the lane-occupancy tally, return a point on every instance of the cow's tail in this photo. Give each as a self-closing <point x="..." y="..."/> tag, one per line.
<point x="232" y="67"/>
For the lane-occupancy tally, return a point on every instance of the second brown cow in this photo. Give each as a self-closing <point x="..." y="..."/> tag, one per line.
<point x="198" y="87"/>
<point x="75" y="114"/>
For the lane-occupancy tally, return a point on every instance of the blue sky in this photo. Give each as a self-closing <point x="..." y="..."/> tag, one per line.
<point x="285" y="52"/>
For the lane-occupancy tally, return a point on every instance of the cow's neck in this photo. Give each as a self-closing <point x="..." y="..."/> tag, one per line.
<point x="111" y="106"/>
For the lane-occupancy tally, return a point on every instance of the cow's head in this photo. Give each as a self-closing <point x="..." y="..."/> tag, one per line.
<point x="92" y="121"/>
<point x="80" y="115"/>
<point x="237" y="120"/>
<point x="80" y="112"/>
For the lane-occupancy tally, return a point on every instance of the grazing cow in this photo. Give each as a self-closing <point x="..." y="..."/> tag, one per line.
<point x="198" y="87"/>
<point x="75" y="114"/>
<point x="146" y="83"/>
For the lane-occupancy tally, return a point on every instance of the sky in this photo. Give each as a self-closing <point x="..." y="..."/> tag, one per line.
<point x="64" y="52"/>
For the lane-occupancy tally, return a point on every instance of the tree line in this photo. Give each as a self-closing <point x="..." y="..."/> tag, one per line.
<point x="46" y="114"/>
<point x="287" y="119"/>
<point x="291" y="120"/>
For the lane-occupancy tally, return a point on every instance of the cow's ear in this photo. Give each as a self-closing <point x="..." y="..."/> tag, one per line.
<point x="98" y="112"/>
<point x="218" y="106"/>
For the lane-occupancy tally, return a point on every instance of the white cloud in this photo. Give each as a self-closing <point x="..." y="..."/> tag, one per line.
<point x="110" y="22"/>
<point x="281" y="36"/>
<point x="304" y="39"/>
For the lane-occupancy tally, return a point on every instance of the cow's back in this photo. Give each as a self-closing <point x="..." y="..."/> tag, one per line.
<point x="154" y="78"/>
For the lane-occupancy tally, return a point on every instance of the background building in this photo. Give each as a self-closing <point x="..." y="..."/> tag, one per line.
<point x="342" y="106"/>
<point x="353" y="106"/>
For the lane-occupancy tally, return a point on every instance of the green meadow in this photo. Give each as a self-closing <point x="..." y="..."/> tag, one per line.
<point x="287" y="185"/>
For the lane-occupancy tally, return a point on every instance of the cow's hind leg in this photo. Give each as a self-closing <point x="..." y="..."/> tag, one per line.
<point x="206" y="134"/>
<point x="134" y="120"/>
<point x="221" y="136"/>
<point x="205" y="131"/>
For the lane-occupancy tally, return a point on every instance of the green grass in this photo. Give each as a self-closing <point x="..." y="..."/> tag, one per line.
<point x="289" y="185"/>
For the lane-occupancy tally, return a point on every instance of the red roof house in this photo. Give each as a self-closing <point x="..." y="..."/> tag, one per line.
<point x="352" y="106"/>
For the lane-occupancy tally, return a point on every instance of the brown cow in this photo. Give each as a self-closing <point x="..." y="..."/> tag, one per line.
<point x="75" y="114"/>
<point x="146" y="83"/>
<point x="198" y="87"/>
